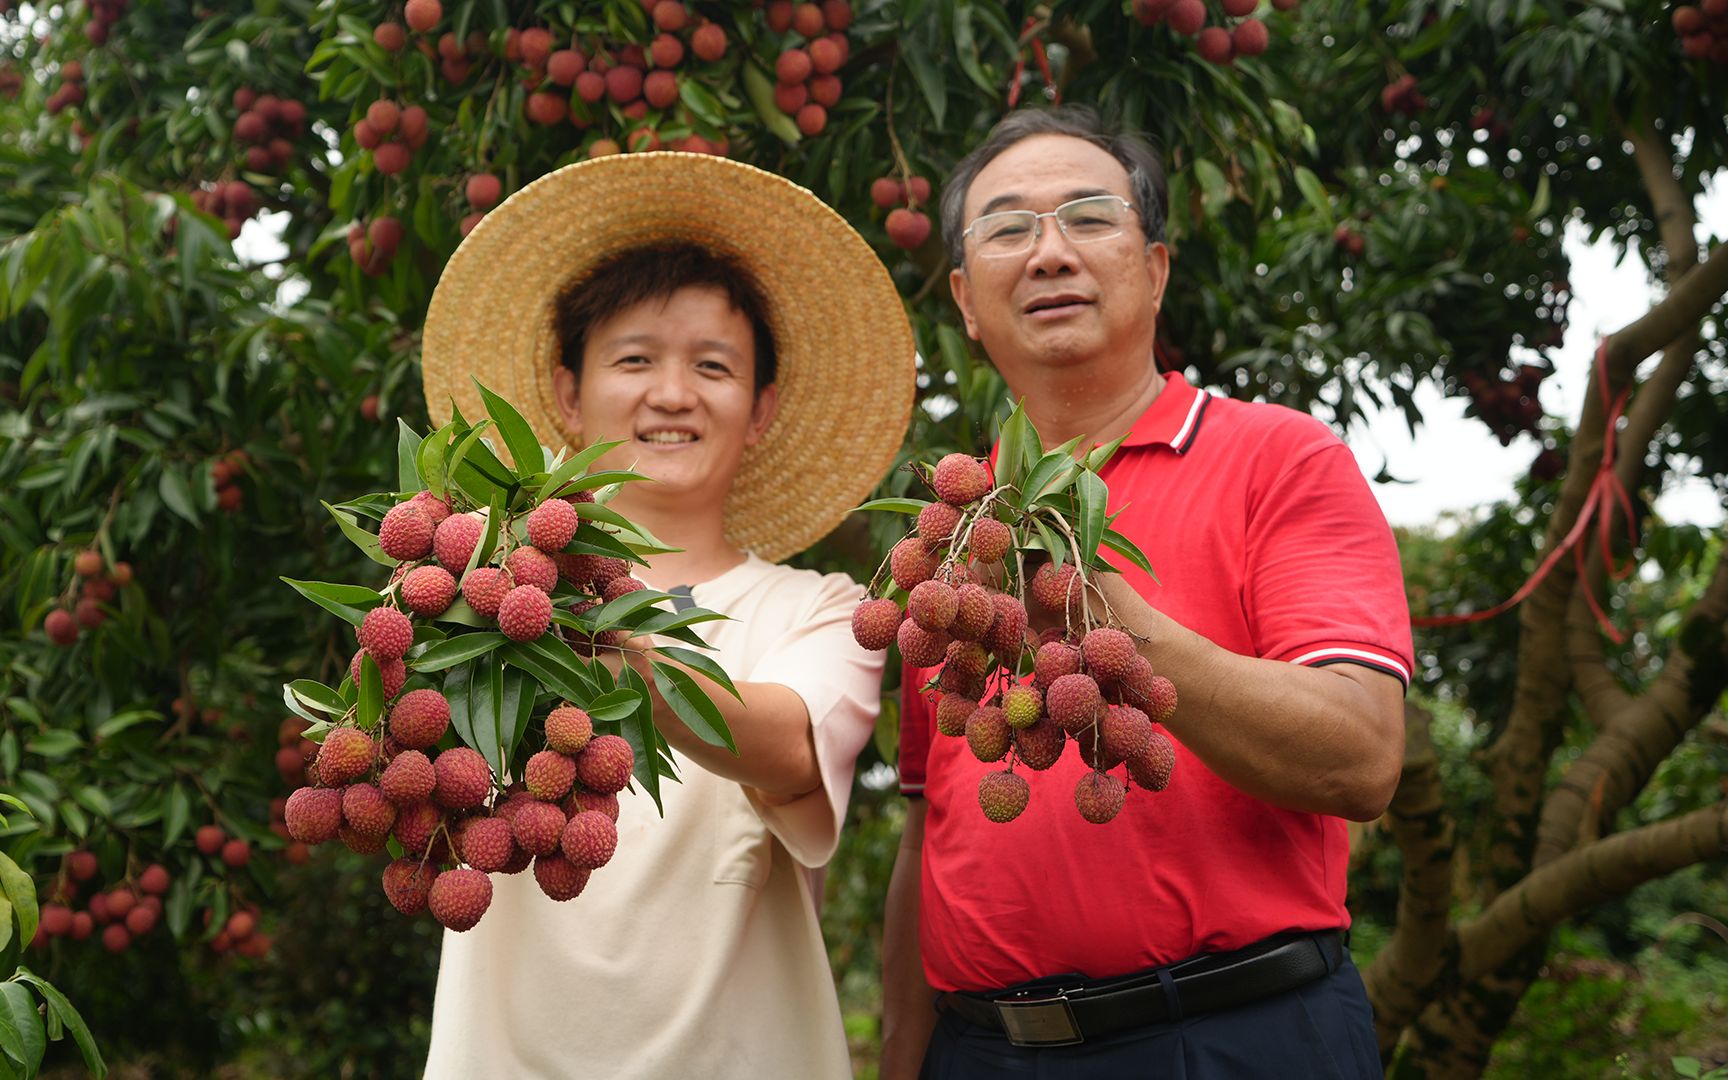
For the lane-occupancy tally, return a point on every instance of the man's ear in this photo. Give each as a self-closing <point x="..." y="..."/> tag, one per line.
<point x="762" y="413"/>
<point x="566" y="393"/>
<point x="1158" y="269"/>
<point x="961" y="286"/>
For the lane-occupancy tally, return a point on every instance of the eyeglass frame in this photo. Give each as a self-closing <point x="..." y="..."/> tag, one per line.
<point x="1038" y="225"/>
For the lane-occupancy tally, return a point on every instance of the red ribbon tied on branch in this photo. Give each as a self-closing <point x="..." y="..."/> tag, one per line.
<point x="1043" y="61"/>
<point x="1605" y="489"/>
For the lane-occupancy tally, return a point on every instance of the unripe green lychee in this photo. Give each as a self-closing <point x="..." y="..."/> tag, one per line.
<point x="988" y="733"/>
<point x="1022" y="705"/>
<point x="549" y="775"/>
<point x="429" y="590"/>
<point x="487" y="844"/>
<point x="952" y="712"/>
<point x="1098" y="796"/>
<point x="604" y="764"/>
<point x="537" y="827"/>
<point x="464" y="778"/>
<point x="911" y="562"/>
<point x="346" y="755"/>
<point x="936" y="523"/>
<point x="1152" y="766"/>
<point x="458" y="898"/>
<point x="485" y="588"/>
<point x="990" y="540"/>
<point x="1003" y="795"/>
<point x="589" y="840"/>
<point x="875" y="622"/>
<point x="932" y="605"/>
<point x="960" y="479"/>
<point x="1074" y="702"/>
<point x="385" y="633"/>
<point x="920" y="647"/>
<point x="407" y="884"/>
<point x="420" y="719"/>
<point x="406" y="532"/>
<point x="409" y="778"/>
<point x="552" y="525"/>
<point x="1108" y="653"/>
<point x="1007" y="634"/>
<point x="455" y="539"/>
<point x="568" y="729"/>
<point x="367" y="811"/>
<point x="314" y="815"/>
<point x="1040" y="746"/>
<point x="525" y="612"/>
<point x="531" y="566"/>
<point x="559" y="878"/>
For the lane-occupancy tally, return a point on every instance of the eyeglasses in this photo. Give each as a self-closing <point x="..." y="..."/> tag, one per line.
<point x="1013" y="232"/>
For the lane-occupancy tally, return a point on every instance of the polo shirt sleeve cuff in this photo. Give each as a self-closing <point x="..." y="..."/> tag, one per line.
<point x="1377" y="657"/>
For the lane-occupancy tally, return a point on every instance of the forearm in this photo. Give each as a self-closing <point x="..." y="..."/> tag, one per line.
<point x="771" y="726"/>
<point x="1321" y="739"/>
<point x="908" y="1012"/>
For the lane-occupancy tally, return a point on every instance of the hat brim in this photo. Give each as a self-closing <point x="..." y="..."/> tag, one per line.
<point x="845" y="351"/>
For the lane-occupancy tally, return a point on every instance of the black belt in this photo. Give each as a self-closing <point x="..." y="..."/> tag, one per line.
<point x="1062" y="1010"/>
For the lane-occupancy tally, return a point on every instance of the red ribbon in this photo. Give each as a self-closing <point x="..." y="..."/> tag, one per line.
<point x="1043" y="61"/>
<point x="1604" y="487"/>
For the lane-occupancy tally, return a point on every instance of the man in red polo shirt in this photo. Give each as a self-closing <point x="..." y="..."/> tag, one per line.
<point x="1200" y="933"/>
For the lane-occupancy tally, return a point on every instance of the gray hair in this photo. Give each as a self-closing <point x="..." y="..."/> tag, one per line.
<point x="1137" y="155"/>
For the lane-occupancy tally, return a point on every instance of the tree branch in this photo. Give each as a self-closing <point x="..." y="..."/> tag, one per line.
<point x="1603" y="696"/>
<point x="1668" y="201"/>
<point x="1417" y="963"/>
<point x="1689" y="300"/>
<point x="1584" y="878"/>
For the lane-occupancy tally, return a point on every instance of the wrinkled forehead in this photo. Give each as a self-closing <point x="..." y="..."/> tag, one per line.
<point x="1043" y="171"/>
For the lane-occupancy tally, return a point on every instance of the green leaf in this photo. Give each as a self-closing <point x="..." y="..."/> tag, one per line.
<point x="315" y="695"/>
<point x="69" y="1016"/>
<point x="643" y="739"/>
<point x="407" y="458"/>
<point x="14" y="801"/>
<point x="1053" y="472"/>
<point x="350" y="602"/>
<point x="456" y="685"/>
<point x="119" y="722"/>
<point x="177" y="494"/>
<point x="513" y="713"/>
<point x="489" y="536"/>
<point x="365" y="541"/>
<point x="1126" y="548"/>
<point x="692" y="706"/>
<point x="1093" y="496"/>
<point x="1315" y="193"/>
<point x="612" y="613"/>
<point x="1539" y="204"/>
<point x="485" y="706"/>
<point x="54" y="744"/>
<point x="759" y="88"/>
<point x="434" y="453"/>
<point x="662" y="622"/>
<point x="613" y="706"/>
<point x="176" y="811"/>
<point x="1017" y="448"/>
<point x="525" y="452"/>
<point x="1214" y="188"/>
<point x="895" y="506"/>
<point x="20" y="1009"/>
<point x="580" y="462"/>
<point x="707" y="665"/>
<point x="5" y="931"/>
<point x="371" y="694"/>
<point x="554" y="664"/>
<point x="22" y="892"/>
<point x="1098" y="456"/>
<point x="453" y="651"/>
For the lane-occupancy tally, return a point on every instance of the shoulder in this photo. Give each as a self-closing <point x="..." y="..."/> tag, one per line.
<point x="1261" y="424"/>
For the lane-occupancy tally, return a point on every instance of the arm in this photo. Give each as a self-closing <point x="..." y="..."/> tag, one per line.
<point x="1328" y="740"/>
<point x="908" y="1013"/>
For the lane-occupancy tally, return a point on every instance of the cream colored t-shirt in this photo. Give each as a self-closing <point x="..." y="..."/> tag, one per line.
<point x="696" y="951"/>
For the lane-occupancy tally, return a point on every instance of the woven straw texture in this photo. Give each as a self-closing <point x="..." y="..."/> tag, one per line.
<point x="845" y="349"/>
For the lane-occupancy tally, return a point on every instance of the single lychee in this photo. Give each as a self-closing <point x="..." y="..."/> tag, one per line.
<point x="485" y="587"/>
<point x="428" y="590"/>
<point x="1007" y="634"/>
<point x="455" y="539"/>
<point x="488" y="844"/>
<point x="208" y="839"/>
<point x="537" y="826"/>
<point x="346" y="755"/>
<point x="549" y="775"/>
<point x="1152" y="766"/>
<point x="1186" y="16"/>
<point x="1098" y="796"/>
<point x="1161" y="701"/>
<point x="990" y="540"/>
<point x="708" y="42"/>
<point x="1126" y="732"/>
<point x="139" y="921"/>
<point x="1108" y="653"/>
<point x="988" y="733"/>
<point x="551" y="527"/>
<point x="952" y="712"/>
<point x="458" y="898"/>
<point x="423" y="15"/>
<point x="407" y="883"/>
<point x="1214" y="45"/>
<point x="932" y="605"/>
<point x="957" y="680"/>
<point x="420" y="719"/>
<point x="416" y="824"/>
<point x="1040" y="746"/>
<point x="525" y="613"/>
<point x="116" y="939"/>
<point x="464" y="778"/>
<point x="392" y="673"/>
<point x="406" y="532"/>
<point x="385" y="633"/>
<point x="531" y="566"/>
<point x="620" y="585"/>
<point x="1022" y="705"/>
<point x="366" y="810"/>
<point x="82" y="865"/>
<point x="568" y="729"/>
<point x="973" y="610"/>
<point x="56" y="920"/>
<point x="936" y="523"/>
<point x="61" y="626"/>
<point x="874" y="623"/>
<point x="1055" y="659"/>
<point x="581" y="801"/>
<point x="1074" y="702"/>
<point x="960" y="479"/>
<point x="314" y="814"/>
<point x="409" y="778"/>
<point x="559" y="878"/>
<point x="604" y="764"/>
<point x="1056" y="588"/>
<point x="908" y="229"/>
<point x="966" y="659"/>
<point x="920" y="647"/>
<point x="237" y="852"/>
<point x="1003" y="795"/>
<point x="1250" y="37"/>
<point x="589" y="840"/>
<point x="911" y="562"/>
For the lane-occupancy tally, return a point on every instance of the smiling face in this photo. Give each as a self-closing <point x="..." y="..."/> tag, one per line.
<point x="675" y="380"/>
<point x="1060" y="304"/>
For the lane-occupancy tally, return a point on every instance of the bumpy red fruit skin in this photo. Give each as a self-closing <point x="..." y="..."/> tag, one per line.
<point x="386" y="633"/>
<point x="346" y="755"/>
<point x="429" y="590"/>
<point x="459" y="898"/>
<point x="581" y="801"/>
<point x="208" y="839"/>
<point x="237" y="853"/>
<point x="589" y="840"/>
<point x="1007" y="633"/>
<point x="487" y="845"/>
<point x="874" y="623"/>
<point x="455" y="540"/>
<point x="406" y="532"/>
<point x="552" y="525"/>
<point x="619" y="585"/>
<point x="485" y="588"/>
<point x="568" y="729"/>
<point x="932" y="605"/>
<point x="1074" y="702"/>
<point x="911" y="562"/>
<point x="1098" y="796"/>
<point x="420" y="718"/>
<point x="1108" y="653"/>
<point x="367" y="811"/>
<point x="1126" y="732"/>
<point x="464" y="778"/>
<point x="973" y="612"/>
<point x="1055" y="659"/>
<point x="936" y="523"/>
<point x="83" y="865"/>
<point x="407" y="883"/>
<point x="988" y="733"/>
<point x="549" y="775"/>
<point x="559" y="878"/>
<point x="409" y="778"/>
<point x="604" y="764"/>
<point x="960" y="479"/>
<point x="537" y="827"/>
<point x="415" y="825"/>
<point x="531" y="566"/>
<point x="920" y="647"/>
<point x="1054" y="588"/>
<point x="1040" y="746"/>
<point x="392" y="673"/>
<point x="154" y="880"/>
<point x="314" y="815"/>
<point x="1003" y="795"/>
<point x="436" y="509"/>
<point x="61" y="627"/>
<point x="1151" y="768"/>
<point x="1161" y="701"/>
<point x="952" y="712"/>
<point x="525" y="613"/>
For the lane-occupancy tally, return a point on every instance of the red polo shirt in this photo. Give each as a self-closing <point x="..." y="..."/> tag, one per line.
<point x="1267" y="540"/>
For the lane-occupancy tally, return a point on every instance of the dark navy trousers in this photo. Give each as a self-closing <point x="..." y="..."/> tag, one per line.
<point x="1321" y="1031"/>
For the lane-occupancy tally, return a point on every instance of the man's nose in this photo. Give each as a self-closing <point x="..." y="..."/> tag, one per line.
<point x="1052" y="251"/>
<point x="671" y="388"/>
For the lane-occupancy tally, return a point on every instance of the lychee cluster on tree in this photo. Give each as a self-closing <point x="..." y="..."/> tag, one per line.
<point x="1703" y="30"/>
<point x="1509" y="405"/>
<point x="228" y="470"/>
<point x="70" y="92"/>
<point x="103" y="15"/>
<point x="85" y="603"/>
<point x="907" y="225"/>
<point x="117" y="915"/>
<point x="1216" y="43"/>
<point x="815" y="47"/>
<point x="392" y="134"/>
<point x="267" y="126"/>
<point x="476" y="731"/>
<point x="974" y="557"/>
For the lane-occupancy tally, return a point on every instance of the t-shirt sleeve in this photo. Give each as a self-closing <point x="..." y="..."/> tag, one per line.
<point x="915" y="725"/>
<point x="841" y="685"/>
<point x="1324" y="584"/>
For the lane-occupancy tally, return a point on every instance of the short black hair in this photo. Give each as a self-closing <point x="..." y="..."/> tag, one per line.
<point x="1137" y="155"/>
<point x="654" y="273"/>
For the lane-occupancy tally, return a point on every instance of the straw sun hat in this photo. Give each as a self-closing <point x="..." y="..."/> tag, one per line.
<point x="844" y="347"/>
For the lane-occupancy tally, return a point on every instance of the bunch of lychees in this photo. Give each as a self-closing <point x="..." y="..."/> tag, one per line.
<point x="1013" y="697"/>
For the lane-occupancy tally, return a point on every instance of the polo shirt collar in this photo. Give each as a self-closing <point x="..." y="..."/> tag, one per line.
<point x="1173" y="419"/>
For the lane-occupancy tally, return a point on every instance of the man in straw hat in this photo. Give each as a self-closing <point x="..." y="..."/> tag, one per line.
<point x="666" y="300"/>
<point x="1199" y="932"/>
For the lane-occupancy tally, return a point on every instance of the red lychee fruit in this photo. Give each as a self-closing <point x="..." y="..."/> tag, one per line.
<point x="973" y="612"/>
<point x="416" y="824"/>
<point x="87" y="564"/>
<point x="385" y="633"/>
<point x="1057" y="588"/>
<point x="669" y="15"/>
<point x="423" y="15"/>
<point x="346" y="755"/>
<point x="392" y="158"/>
<point x="56" y="920"/>
<point x="622" y="585"/>
<point x="545" y="108"/>
<point x="237" y="853"/>
<point x="1214" y="45"/>
<point x="82" y="865"/>
<point x="406" y="532"/>
<point x="937" y="522"/>
<point x="1186" y="16"/>
<point x="458" y="898"/>
<point x="392" y="673"/>
<point x="367" y="811"/>
<point x="483" y="191"/>
<point x="932" y="605"/>
<point x="708" y="42"/>
<point x="389" y="36"/>
<point x="960" y="479"/>
<point x="990" y="540"/>
<point x="907" y="229"/>
<point x="624" y="83"/>
<point x="887" y="192"/>
<point x="952" y="712"/>
<point x="551" y="527"/>
<point x="537" y="827"/>
<point x="568" y="729"/>
<point x="1040" y="746"/>
<point x="580" y="801"/>
<point x="920" y="647"/>
<point x="589" y="839"/>
<point x="562" y="67"/>
<point x="208" y="839"/>
<point x="911" y="561"/>
<point x="429" y="590"/>
<point x="314" y="815"/>
<point x="485" y="588"/>
<point x="1161" y="702"/>
<point x="874" y="623"/>
<point x="559" y="878"/>
<point x="1108" y="652"/>
<point x="1055" y="659"/>
<point x="464" y="778"/>
<point x="139" y="921"/>
<point x="488" y="845"/>
<point x="82" y="925"/>
<point x="409" y="778"/>
<point x="1250" y="37"/>
<point x="531" y="566"/>
<point x="1003" y="795"/>
<point x="792" y="67"/>
<point x="1125" y="731"/>
<point x="604" y="764"/>
<point x="1098" y="796"/>
<point x="1152" y="766"/>
<point x="525" y="613"/>
<point x="1074" y="702"/>
<point x="116" y="939"/>
<point x="454" y="541"/>
<point x="988" y="733"/>
<point x="549" y="775"/>
<point x="61" y="626"/>
<point x="1007" y="634"/>
<point x="660" y="89"/>
<point x="420" y="719"/>
<point x="407" y="883"/>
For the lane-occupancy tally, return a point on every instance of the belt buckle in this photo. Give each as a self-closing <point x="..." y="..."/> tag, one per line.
<point x="1044" y="1021"/>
